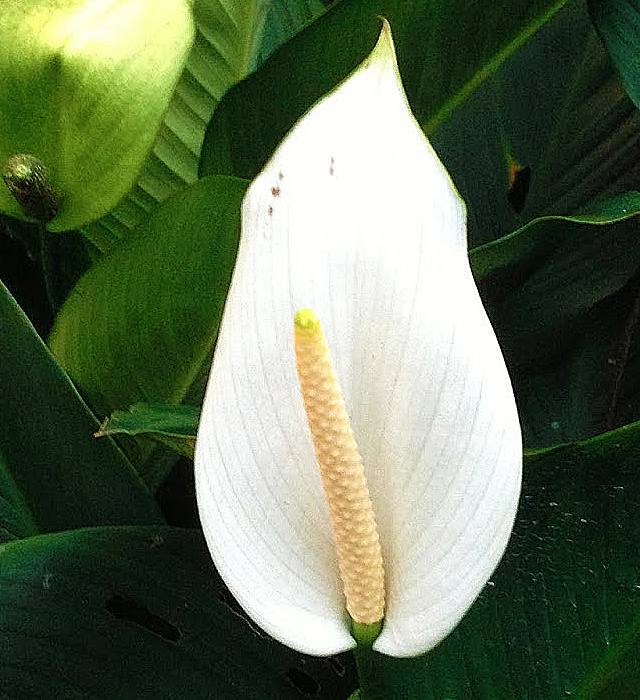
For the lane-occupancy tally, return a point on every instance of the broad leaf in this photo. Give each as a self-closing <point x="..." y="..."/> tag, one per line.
<point x="142" y="323"/>
<point x="135" y="613"/>
<point x="53" y="472"/>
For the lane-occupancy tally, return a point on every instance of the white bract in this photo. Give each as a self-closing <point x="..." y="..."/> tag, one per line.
<point x="355" y="217"/>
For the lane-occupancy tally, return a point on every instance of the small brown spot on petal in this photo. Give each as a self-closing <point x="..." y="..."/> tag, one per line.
<point x="270" y="211"/>
<point x="331" y="166"/>
<point x="280" y="176"/>
<point x="275" y="191"/>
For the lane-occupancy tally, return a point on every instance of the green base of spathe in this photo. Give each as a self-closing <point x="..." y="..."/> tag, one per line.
<point x="365" y="634"/>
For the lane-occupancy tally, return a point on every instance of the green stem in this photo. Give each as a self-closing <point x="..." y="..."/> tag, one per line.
<point x="372" y="681"/>
<point x="368" y="663"/>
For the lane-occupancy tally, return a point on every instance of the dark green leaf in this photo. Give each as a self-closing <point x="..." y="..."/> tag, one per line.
<point x="136" y="613"/>
<point x="51" y="463"/>
<point x="618" y="22"/>
<point x="504" y="262"/>
<point x="557" y="294"/>
<point x="436" y="73"/>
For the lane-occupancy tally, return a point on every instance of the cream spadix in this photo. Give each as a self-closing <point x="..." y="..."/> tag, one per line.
<point x="343" y="478"/>
<point x="355" y="217"/>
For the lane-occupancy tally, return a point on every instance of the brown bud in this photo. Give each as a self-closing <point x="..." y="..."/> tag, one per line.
<point x="28" y="181"/>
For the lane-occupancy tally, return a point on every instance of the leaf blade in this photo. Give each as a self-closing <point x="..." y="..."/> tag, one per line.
<point x="67" y="478"/>
<point x="132" y="612"/>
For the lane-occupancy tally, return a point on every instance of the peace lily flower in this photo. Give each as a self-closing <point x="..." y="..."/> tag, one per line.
<point x="355" y="218"/>
<point x="83" y="88"/>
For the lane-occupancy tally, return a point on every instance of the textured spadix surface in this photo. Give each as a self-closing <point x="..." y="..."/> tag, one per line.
<point x="355" y="217"/>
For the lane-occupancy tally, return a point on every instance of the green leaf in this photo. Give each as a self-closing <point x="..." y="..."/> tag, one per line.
<point x="175" y="425"/>
<point x="618" y="674"/>
<point x="436" y="73"/>
<point x="227" y="45"/>
<point x="558" y="294"/>
<point x="618" y="22"/>
<point x="136" y="613"/>
<point x="142" y="323"/>
<point x="54" y="475"/>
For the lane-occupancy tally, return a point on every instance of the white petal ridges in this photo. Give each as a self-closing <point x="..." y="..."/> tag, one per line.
<point x="354" y="525"/>
<point x="355" y="217"/>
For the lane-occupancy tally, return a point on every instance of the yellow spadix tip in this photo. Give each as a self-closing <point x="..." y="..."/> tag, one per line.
<point x="306" y="320"/>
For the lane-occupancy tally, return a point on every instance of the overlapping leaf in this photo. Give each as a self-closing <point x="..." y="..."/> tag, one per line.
<point x="54" y="475"/>
<point x="139" y="611"/>
<point x="227" y="46"/>
<point x="142" y="323"/>
<point x="559" y="292"/>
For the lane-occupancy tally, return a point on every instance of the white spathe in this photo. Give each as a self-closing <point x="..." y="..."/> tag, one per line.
<point x="355" y="217"/>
